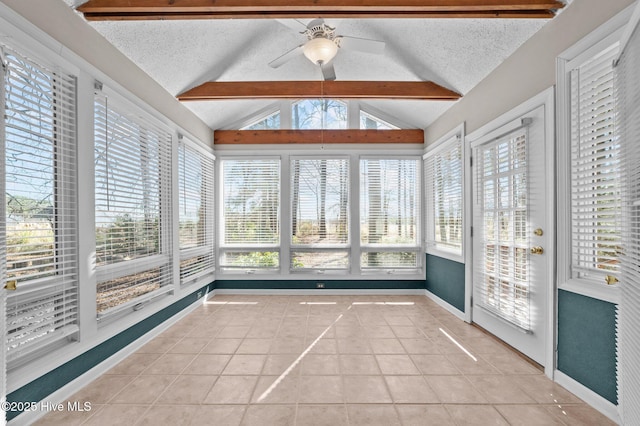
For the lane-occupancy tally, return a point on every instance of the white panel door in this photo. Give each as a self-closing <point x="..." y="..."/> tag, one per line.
<point x="510" y="229"/>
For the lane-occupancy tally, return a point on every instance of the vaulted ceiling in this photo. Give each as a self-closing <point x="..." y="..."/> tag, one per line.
<point x="181" y="53"/>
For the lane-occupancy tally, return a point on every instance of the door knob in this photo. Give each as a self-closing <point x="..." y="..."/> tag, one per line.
<point x="537" y="250"/>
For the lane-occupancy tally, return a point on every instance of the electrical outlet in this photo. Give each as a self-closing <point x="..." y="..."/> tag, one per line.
<point x="319" y="285"/>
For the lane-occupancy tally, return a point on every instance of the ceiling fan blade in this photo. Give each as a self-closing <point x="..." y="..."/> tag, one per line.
<point x="286" y="57"/>
<point x="362" y="44"/>
<point x="294" y="24"/>
<point x="328" y="72"/>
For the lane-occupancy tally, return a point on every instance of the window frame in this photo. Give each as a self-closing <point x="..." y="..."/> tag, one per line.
<point x="320" y="248"/>
<point x="63" y="282"/>
<point x="164" y="259"/>
<point x="591" y="45"/>
<point x="394" y="248"/>
<point x="208" y="248"/>
<point x="222" y="247"/>
<point x="445" y="143"/>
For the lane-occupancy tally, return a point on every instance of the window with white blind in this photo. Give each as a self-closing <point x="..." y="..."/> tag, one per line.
<point x="595" y="168"/>
<point x="319" y="214"/>
<point x="38" y="174"/>
<point x="196" y="225"/>
<point x="250" y="215"/>
<point x="443" y="191"/>
<point x="389" y="212"/>
<point x="133" y="208"/>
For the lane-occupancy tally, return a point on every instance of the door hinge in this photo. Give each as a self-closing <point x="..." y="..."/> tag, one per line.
<point x="472" y="232"/>
<point x="471" y="161"/>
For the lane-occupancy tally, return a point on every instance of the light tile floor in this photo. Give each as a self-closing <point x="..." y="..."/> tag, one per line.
<point x="324" y="360"/>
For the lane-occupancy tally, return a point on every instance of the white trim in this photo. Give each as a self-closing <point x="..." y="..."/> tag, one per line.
<point x="587" y="395"/>
<point x="631" y="27"/>
<point x="68" y="390"/>
<point x="450" y="308"/>
<point x="320" y="292"/>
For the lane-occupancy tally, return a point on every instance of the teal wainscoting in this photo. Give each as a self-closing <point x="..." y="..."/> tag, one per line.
<point x="587" y="342"/>
<point x="445" y="279"/>
<point x="50" y="382"/>
<point x="313" y="284"/>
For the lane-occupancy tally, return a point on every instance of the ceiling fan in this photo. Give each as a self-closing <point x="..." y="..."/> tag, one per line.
<point x="323" y="45"/>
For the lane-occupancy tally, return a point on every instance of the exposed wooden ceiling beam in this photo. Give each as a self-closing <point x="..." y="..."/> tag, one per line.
<point x="245" y="137"/>
<point x="423" y="90"/>
<point x="283" y="9"/>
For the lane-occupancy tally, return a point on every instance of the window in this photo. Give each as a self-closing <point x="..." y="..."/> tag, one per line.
<point x="595" y="168"/>
<point x="319" y="114"/>
<point x="196" y="192"/>
<point x="269" y="123"/>
<point x="368" y="121"/>
<point x="389" y="212"/>
<point x="133" y="208"/>
<point x="39" y="128"/>
<point x="319" y="214"/>
<point x="443" y="189"/>
<point x="251" y="215"/>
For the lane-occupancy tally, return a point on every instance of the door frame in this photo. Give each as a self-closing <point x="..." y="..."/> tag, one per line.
<point x="546" y="99"/>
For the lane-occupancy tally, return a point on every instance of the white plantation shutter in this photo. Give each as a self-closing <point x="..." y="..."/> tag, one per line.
<point x="251" y="215"/>
<point x="628" y="124"/>
<point x="3" y="248"/>
<point x="133" y="209"/>
<point x="595" y="169"/>
<point x="39" y="175"/>
<point x="389" y="212"/>
<point x="196" y="230"/>
<point x="443" y="190"/>
<point x="319" y="214"/>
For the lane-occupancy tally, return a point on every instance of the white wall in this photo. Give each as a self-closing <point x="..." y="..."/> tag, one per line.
<point x="68" y="28"/>
<point x="528" y="71"/>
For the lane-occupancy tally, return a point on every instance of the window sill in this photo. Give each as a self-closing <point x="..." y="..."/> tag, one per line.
<point x="602" y="292"/>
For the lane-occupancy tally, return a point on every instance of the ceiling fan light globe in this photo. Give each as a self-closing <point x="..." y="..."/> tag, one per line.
<point x="320" y="50"/>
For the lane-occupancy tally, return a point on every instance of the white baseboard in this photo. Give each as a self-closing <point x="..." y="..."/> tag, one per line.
<point x="62" y="394"/>
<point x="319" y="292"/>
<point x="455" y="311"/>
<point x="587" y="395"/>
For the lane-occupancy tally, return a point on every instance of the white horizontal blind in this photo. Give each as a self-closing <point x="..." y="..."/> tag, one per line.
<point x="443" y="188"/>
<point x="3" y="246"/>
<point x="389" y="212"/>
<point x="502" y="273"/>
<point x="319" y="214"/>
<point x="628" y="124"/>
<point x="196" y="230"/>
<point x="133" y="209"/>
<point x="251" y="214"/>
<point x="595" y="169"/>
<point x="40" y="205"/>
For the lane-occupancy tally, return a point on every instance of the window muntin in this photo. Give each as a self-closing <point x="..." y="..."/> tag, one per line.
<point x="196" y="211"/>
<point x="39" y="127"/>
<point x="251" y="214"/>
<point x="443" y="189"/>
<point x="319" y="114"/>
<point x="132" y="180"/>
<point x="319" y="213"/>
<point x="595" y="169"/>
<point x="389" y="209"/>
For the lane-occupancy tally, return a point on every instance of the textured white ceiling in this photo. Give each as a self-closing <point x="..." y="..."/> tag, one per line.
<point x="179" y="55"/>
